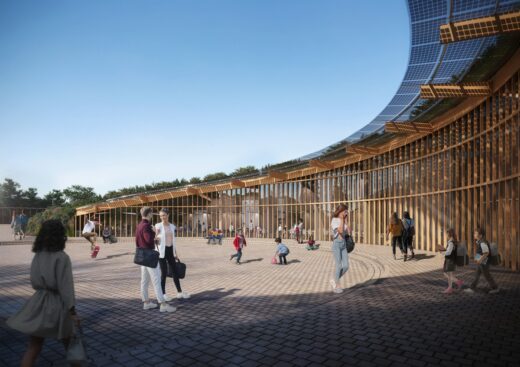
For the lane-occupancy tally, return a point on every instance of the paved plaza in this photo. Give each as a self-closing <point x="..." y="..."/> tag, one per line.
<point x="259" y="314"/>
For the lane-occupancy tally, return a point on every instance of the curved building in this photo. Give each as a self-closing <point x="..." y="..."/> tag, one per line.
<point x="445" y="149"/>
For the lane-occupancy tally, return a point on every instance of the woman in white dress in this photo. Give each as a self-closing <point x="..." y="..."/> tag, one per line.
<point x="50" y="312"/>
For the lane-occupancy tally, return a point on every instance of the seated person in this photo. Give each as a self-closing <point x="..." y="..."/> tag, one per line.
<point x="107" y="232"/>
<point x="311" y="244"/>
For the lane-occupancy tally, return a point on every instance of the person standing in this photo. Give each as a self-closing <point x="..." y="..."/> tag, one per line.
<point x="165" y="234"/>
<point x="450" y="261"/>
<point x="396" y="229"/>
<point x="340" y="231"/>
<point x="409" y="230"/>
<point x="51" y="310"/>
<point x="482" y="260"/>
<point x="145" y="238"/>
<point x="23" y="222"/>
<point x="239" y="242"/>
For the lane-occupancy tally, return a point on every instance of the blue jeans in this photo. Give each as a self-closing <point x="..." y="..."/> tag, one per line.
<point x="339" y="251"/>
<point x="238" y="255"/>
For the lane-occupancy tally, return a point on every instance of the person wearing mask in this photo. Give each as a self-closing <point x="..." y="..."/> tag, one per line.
<point x="51" y="310"/>
<point x="145" y="238"/>
<point x="165" y="234"/>
<point x="340" y="231"/>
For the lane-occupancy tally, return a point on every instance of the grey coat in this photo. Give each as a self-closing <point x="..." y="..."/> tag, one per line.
<point x="46" y="313"/>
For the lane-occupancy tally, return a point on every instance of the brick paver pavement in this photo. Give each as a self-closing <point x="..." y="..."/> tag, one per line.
<point x="258" y="314"/>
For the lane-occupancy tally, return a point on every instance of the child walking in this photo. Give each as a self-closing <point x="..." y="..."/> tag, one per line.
<point x="450" y="258"/>
<point x="281" y="251"/>
<point x="239" y="242"/>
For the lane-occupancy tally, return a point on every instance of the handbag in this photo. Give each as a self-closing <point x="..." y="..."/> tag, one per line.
<point x="179" y="267"/>
<point x="146" y="257"/>
<point x="76" y="351"/>
<point x="350" y="244"/>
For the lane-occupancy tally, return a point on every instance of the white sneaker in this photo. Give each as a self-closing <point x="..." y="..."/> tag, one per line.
<point x="166" y="298"/>
<point x="494" y="291"/>
<point x="183" y="295"/>
<point x="338" y="290"/>
<point x="469" y="290"/>
<point x="333" y="284"/>
<point x="167" y="308"/>
<point x="149" y="305"/>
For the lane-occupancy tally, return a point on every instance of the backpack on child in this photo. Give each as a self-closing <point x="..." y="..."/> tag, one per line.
<point x="462" y="258"/>
<point x="494" y="256"/>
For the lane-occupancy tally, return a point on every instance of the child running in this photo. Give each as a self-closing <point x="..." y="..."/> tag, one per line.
<point x="281" y="251"/>
<point x="239" y="242"/>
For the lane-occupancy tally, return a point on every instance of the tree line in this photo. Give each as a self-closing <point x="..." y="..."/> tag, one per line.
<point x="12" y="194"/>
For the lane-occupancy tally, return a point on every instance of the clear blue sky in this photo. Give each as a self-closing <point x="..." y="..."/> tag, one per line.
<point x="115" y="93"/>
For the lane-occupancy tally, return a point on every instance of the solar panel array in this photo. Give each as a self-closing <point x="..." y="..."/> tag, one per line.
<point x="430" y="61"/>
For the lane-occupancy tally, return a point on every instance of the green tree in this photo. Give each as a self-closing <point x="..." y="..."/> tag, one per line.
<point x="195" y="180"/>
<point x="242" y="171"/>
<point x="78" y="195"/>
<point x="10" y="193"/>
<point x="54" y="198"/>
<point x="215" y="176"/>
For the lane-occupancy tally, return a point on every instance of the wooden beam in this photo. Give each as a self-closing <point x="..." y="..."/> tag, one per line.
<point x="455" y="90"/>
<point x="193" y="191"/>
<point x="238" y="183"/>
<point x="277" y="175"/>
<point x="317" y="163"/>
<point x="359" y="149"/>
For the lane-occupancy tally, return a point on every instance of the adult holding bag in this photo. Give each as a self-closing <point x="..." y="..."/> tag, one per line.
<point x="340" y="235"/>
<point x="145" y="242"/>
<point x="165" y="235"/>
<point x="50" y="312"/>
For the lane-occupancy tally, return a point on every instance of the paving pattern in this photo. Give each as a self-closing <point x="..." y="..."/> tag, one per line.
<point x="258" y="314"/>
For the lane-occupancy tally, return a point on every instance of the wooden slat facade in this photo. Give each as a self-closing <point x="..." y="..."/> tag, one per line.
<point x="463" y="173"/>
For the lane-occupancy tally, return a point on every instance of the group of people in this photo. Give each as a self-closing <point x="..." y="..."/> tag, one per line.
<point x="19" y="225"/>
<point x="482" y="259"/>
<point x="51" y="312"/>
<point x="402" y="233"/>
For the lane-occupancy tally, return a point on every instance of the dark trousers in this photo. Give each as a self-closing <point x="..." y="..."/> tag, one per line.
<point x="395" y="240"/>
<point x="483" y="269"/>
<point x="408" y="244"/>
<point x="168" y="259"/>
<point x="238" y="255"/>
<point x="283" y="259"/>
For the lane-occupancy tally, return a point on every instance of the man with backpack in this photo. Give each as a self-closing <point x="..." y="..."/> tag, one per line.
<point x="408" y="234"/>
<point x="482" y="258"/>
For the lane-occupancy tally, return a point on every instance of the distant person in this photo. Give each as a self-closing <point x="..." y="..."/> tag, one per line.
<point x="89" y="233"/>
<point x="450" y="261"/>
<point x="281" y="251"/>
<point x="409" y="230"/>
<point x="300" y="228"/>
<point x="395" y="228"/>
<point x="145" y="238"/>
<point x="51" y="310"/>
<point x="231" y="230"/>
<point x="251" y="228"/>
<point x="340" y="231"/>
<point x="311" y="244"/>
<point x="23" y="221"/>
<point x="107" y="232"/>
<point x="165" y="233"/>
<point x="280" y="231"/>
<point x="482" y="260"/>
<point x="297" y="232"/>
<point x="239" y="242"/>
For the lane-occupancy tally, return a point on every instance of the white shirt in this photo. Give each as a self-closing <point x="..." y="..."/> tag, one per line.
<point x="89" y="227"/>
<point x="334" y="225"/>
<point x="449" y="249"/>
<point x="162" y="236"/>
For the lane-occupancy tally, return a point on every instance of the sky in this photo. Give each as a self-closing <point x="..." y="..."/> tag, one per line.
<point x="117" y="93"/>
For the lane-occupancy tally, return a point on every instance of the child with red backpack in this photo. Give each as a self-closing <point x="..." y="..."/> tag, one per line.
<point x="239" y="242"/>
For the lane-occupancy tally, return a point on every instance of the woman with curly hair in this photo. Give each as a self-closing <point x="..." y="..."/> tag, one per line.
<point x="50" y="312"/>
